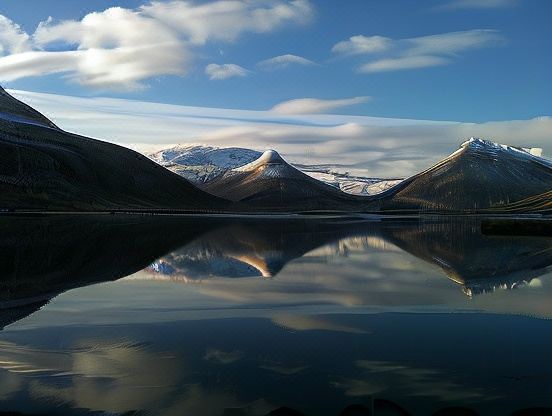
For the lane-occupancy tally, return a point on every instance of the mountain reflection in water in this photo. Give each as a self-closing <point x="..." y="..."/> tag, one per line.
<point x="241" y="316"/>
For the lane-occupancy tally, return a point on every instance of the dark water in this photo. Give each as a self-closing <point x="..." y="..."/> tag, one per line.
<point x="141" y="315"/>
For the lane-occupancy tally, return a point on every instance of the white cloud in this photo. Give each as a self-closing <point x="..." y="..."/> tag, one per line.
<point x="118" y="68"/>
<point x="360" y="44"/>
<point x="407" y="62"/>
<point x="453" y="42"/>
<point x="12" y="38"/>
<point x="418" y="52"/>
<point x="314" y="105"/>
<point x="120" y="48"/>
<point x="476" y="4"/>
<point x="36" y="63"/>
<point x="357" y="144"/>
<point x="225" y="71"/>
<point x="226" y="20"/>
<point x="283" y="61"/>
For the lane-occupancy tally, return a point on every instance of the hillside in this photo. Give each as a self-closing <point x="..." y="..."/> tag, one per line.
<point x="269" y="183"/>
<point x="480" y="177"/>
<point x="43" y="168"/>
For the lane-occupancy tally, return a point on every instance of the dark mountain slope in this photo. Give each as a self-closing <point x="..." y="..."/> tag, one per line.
<point x="13" y="109"/>
<point x="482" y="177"/>
<point x="271" y="184"/>
<point x="46" y="169"/>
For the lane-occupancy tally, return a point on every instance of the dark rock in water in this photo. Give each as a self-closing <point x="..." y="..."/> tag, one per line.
<point x="285" y="411"/>
<point x="356" y="410"/>
<point x="456" y="411"/>
<point x="46" y="169"/>
<point x="517" y="226"/>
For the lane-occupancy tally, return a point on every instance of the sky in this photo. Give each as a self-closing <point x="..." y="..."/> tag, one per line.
<point x="305" y="66"/>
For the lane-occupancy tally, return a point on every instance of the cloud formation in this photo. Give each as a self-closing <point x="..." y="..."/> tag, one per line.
<point x="226" y="20"/>
<point x="283" y="61"/>
<point x="405" y="62"/>
<point x="120" y="48"/>
<point x="360" y="44"/>
<point x="225" y="71"/>
<point x="314" y="105"/>
<point x="12" y="38"/>
<point x="368" y="146"/>
<point x="476" y="4"/>
<point x="419" y="52"/>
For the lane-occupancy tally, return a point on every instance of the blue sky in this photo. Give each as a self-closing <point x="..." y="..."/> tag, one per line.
<point x="485" y="60"/>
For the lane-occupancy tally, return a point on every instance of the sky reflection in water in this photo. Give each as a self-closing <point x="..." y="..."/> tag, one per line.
<point x="242" y="317"/>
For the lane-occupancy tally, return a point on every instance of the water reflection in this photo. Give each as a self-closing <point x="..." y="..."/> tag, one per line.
<point x="243" y="317"/>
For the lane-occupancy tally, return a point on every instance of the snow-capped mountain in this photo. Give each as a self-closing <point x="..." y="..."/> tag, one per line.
<point x="481" y="176"/>
<point x="201" y="164"/>
<point x="43" y="168"/>
<point x="269" y="183"/>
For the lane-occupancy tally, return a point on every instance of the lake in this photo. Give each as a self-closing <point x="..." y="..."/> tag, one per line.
<point x="114" y="314"/>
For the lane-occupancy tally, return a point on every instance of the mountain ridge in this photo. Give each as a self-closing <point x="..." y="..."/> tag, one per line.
<point x="43" y="168"/>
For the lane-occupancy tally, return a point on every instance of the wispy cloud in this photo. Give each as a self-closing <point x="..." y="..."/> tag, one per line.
<point x="406" y="62"/>
<point x="476" y="4"/>
<point x="12" y="38"/>
<point x="283" y="61"/>
<point x="419" y="52"/>
<point x="366" y="145"/>
<point x="225" y="71"/>
<point x="120" y="48"/>
<point x="360" y="44"/>
<point x="314" y="105"/>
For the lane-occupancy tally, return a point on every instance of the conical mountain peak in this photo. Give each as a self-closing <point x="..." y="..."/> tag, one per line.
<point x="478" y="142"/>
<point x="483" y="146"/>
<point x="269" y="157"/>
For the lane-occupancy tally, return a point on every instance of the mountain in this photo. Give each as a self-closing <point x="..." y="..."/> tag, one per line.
<point x="201" y="164"/>
<point x="270" y="184"/>
<point x="481" y="177"/>
<point x="43" y="168"/>
<point x="15" y="111"/>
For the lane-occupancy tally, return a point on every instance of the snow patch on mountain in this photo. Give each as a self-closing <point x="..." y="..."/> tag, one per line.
<point x="483" y="145"/>
<point x="201" y="164"/>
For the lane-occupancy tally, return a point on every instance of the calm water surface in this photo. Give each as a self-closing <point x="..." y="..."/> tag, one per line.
<point x="141" y="315"/>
